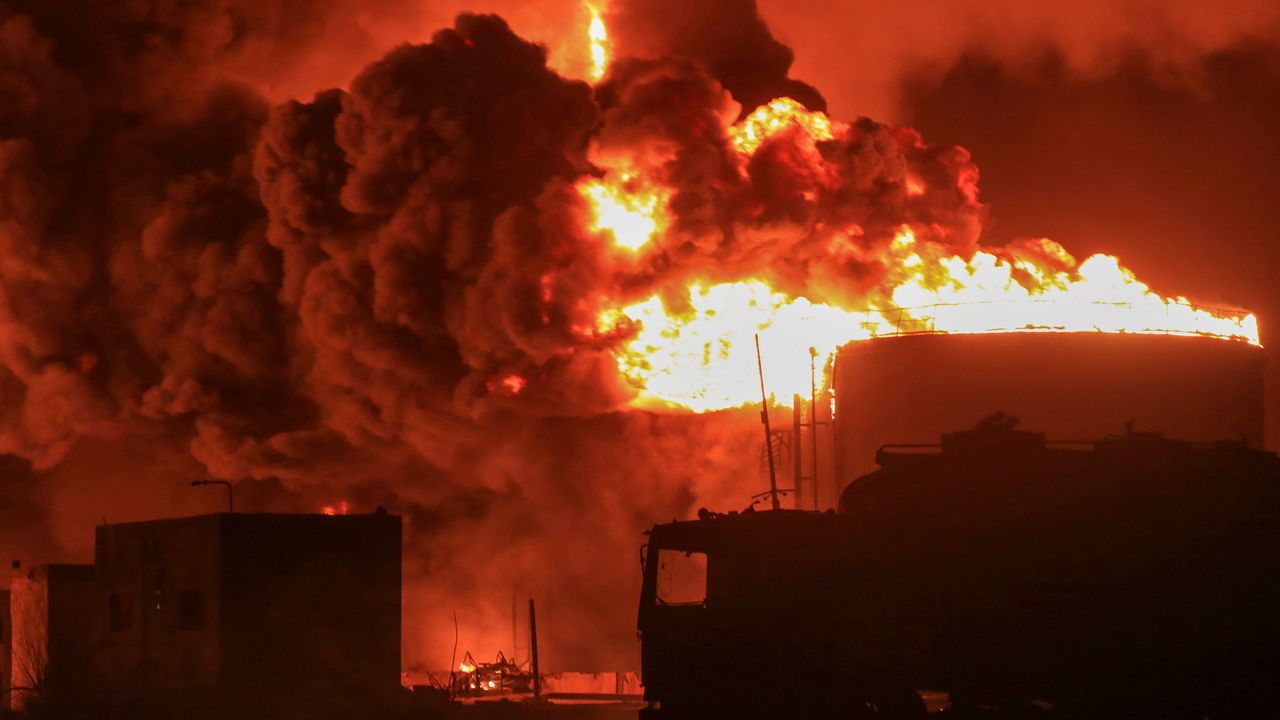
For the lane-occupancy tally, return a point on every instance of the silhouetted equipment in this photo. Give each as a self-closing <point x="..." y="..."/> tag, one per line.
<point x="503" y="676"/>
<point x="768" y="434"/>
<point x="231" y="492"/>
<point x="1128" y="577"/>
<point x="801" y="478"/>
<point x="813" y="428"/>
<point x="533" y="651"/>
<point x="1073" y="386"/>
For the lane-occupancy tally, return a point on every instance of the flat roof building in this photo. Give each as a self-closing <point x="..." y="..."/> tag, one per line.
<point x="253" y="605"/>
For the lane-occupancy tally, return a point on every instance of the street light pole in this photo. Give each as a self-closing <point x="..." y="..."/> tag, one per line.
<point x="231" y="491"/>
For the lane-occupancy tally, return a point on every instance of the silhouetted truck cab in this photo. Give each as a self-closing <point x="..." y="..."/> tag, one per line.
<point x="1130" y="577"/>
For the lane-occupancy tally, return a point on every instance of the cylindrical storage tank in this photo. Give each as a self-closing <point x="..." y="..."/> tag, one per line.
<point x="1070" y="386"/>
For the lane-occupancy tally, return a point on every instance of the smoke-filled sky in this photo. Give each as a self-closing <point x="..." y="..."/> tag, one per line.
<point x="299" y="245"/>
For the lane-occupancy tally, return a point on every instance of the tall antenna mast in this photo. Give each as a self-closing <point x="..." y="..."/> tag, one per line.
<point x="768" y="434"/>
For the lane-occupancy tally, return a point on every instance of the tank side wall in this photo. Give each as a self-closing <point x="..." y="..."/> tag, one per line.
<point x="1069" y="386"/>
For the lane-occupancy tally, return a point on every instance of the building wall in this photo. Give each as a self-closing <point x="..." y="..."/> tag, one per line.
<point x="53" y="630"/>
<point x="158" y="603"/>
<point x="288" y="605"/>
<point x="1070" y="386"/>
<point x="312" y="601"/>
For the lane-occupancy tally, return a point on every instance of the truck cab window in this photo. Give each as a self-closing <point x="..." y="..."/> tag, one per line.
<point x="682" y="577"/>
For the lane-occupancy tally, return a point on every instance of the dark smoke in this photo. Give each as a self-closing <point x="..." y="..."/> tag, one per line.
<point x="322" y="298"/>
<point x="1173" y="167"/>
<point x="728" y="37"/>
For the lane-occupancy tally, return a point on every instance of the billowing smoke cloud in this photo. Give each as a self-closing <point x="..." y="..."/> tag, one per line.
<point x="388" y="293"/>
<point x="727" y="37"/>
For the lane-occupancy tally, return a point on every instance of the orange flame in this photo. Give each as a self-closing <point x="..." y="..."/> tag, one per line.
<point x="342" y="508"/>
<point x="625" y="207"/>
<point x="775" y="118"/>
<point x="700" y="357"/>
<point x="598" y="38"/>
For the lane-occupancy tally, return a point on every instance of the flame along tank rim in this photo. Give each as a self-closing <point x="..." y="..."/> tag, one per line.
<point x="920" y="314"/>
<point x="1236" y="339"/>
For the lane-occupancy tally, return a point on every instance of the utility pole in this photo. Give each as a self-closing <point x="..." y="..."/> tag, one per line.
<point x="533" y="650"/>
<point x="768" y="434"/>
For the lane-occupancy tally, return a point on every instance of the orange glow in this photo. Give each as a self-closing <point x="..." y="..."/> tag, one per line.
<point x="598" y="38"/>
<point x="989" y="293"/>
<point x="341" y="508"/>
<point x="514" y="383"/>
<point x="769" y="121"/>
<point x="630" y="211"/>
<point x="703" y="359"/>
<point x="691" y="346"/>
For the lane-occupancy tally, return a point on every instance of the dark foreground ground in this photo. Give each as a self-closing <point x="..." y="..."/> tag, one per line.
<point x="408" y="707"/>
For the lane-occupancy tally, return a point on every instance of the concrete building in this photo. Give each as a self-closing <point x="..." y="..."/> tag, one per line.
<point x="260" y="605"/>
<point x="51" y="630"/>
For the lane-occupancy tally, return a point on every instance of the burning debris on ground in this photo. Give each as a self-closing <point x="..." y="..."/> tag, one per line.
<point x="500" y="677"/>
<point x="506" y="274"/>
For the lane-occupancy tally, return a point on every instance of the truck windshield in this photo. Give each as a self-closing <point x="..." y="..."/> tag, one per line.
<point x="682" y="577"/>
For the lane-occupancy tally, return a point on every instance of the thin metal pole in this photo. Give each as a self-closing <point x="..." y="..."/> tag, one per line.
<point x="768" y="434"/>
<point x="454" y="657"/>
<point x="797" y="456"/>
<point x="813" y="422"/>
<point x="231" y="491"/>
<point x="837" y="463"/>
<point x="533" y="650"/>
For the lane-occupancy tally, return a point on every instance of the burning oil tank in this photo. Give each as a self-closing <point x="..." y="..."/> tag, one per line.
<point x="1072" y="386"/>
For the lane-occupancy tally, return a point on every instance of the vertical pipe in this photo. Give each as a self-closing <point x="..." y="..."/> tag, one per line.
<point x="797" y="462"/>
<point x="837" y="451"/>
<point x="813" y="425"/>
<point x="533" y="650"/>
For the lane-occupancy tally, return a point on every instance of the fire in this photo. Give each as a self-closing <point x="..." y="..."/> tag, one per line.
<point x="598" y="37"/>
<point x="701" y="358"/>
<point x="692" y="347"/>
<point x="704" y="358"/>
<point x="989" y="293"/>
<point x="775" y="118"/>
<point x="342" y="508"/>
<point x="626" y="208"/>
